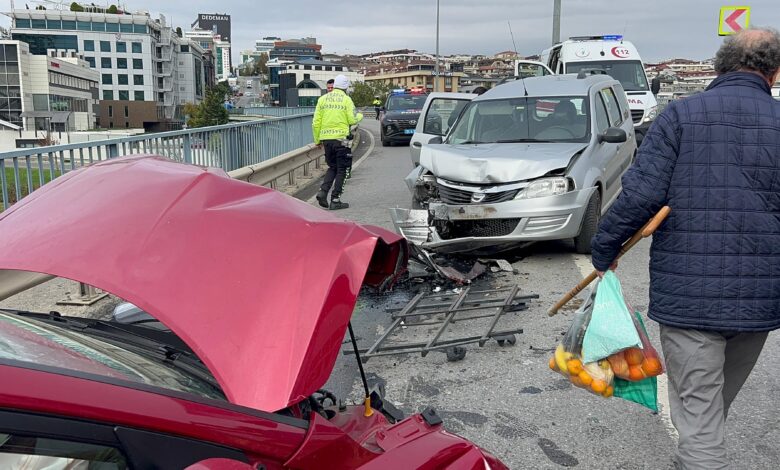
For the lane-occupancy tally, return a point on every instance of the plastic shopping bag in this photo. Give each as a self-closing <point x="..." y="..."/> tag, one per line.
<point x="645" y="391"/>
<point x="635" y="364"/>
<point x="611" y="327"/>
<point x="595" y="377"/>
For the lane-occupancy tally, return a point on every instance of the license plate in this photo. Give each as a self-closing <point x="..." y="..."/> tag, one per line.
<point x="408" y="131"/>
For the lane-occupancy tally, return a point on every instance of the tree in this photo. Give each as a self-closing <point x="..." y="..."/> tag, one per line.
<point x="178" y="31"/>
<point x="76" y="7"/>
<point x="363" y="93"/>
<point x="112" y="10"/>
<point x="211" y="111"/>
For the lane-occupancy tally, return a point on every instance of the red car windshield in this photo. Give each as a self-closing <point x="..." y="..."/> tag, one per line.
<point x="27" y="340"/>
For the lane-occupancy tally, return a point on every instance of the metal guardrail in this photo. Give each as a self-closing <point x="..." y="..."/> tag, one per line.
<point x="230" y="146"/>
<point x="277" y="111"/>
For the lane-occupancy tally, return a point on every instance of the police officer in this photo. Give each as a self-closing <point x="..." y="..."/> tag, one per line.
<point x="377" y="105"/>
<point x="334" y="115"/>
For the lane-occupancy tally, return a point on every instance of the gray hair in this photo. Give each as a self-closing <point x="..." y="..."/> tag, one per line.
<point x="756" y="49"/>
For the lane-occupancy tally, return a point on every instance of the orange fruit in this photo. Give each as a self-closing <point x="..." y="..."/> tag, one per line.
<point x="574" y="366"/>
<point x="598" y="386"/>
<point x="619" y="365"/>
<point x="609" y="391"/>
<point x="575" y="379"/>
<point x="585" y="378"/>
<point x="553" y="366"/>
<point x="635" y="373"/>
<point x="651" y="366"/>
<point x="634" y="356"/>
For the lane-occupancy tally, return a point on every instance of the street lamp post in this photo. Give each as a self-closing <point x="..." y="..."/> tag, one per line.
<point x="436" y="67"/>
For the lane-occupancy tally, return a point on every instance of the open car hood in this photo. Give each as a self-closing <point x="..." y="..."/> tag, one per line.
<point x="496" y="163"/>
<point x="258" y="284"/>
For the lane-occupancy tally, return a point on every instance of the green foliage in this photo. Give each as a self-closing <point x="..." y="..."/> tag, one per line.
<point x="256" y="68"/>
<point x="178" y="31"/>
<point x="211" y="111"/>
<point x="363" y="93"/>
<point x="40" y="7"/>
<point x="76" y="7"/>
<point x="112" y="10"/>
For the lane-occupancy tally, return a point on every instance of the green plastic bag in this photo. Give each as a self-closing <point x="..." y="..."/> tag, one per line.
<point x="611" y="328"/>
<point x="644" y="392"/>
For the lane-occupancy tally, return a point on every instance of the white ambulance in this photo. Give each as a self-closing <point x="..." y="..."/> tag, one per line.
<point x="618" y="59"/>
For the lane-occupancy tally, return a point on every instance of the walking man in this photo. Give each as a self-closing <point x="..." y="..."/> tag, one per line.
<point x="329" y="85"/>
<point x="715" y="262"/>
<point x="377" y="106"/>
<point x="334" y="115"/>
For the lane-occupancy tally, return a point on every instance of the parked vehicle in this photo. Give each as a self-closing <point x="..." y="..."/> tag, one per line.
<point x="616" y="57"/>
<point x="533" y="159"/>
<point x="234" y="368"/>
<point x="438" y="114"/>
<point x="399" y="116"/>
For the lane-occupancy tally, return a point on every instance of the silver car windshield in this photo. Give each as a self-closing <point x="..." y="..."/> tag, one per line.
<point x="538" y="119"/>
<point x="629" y="73"/>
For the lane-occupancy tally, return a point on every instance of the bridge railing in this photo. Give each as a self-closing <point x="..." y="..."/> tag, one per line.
<point x="277" y="111"/>
<point x="230" y="147"/>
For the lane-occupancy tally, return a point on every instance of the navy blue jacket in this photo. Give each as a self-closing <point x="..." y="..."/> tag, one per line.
<point x="714" y="158"/>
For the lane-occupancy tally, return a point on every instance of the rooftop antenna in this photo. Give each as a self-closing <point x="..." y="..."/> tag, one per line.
<point x="513" y="38"/>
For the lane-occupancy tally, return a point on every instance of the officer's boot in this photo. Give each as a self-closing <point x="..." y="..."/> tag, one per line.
<point x="336" y="204"/>
<point x="322" y="198"/>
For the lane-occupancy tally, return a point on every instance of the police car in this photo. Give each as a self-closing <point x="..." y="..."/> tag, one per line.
<point x="400" y="115"/>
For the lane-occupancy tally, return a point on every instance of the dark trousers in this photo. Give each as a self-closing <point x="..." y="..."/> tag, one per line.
<point x="339" y="158"/>
<point x="376" y="108"/>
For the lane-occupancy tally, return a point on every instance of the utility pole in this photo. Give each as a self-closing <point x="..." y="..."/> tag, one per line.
<point x="556" y="35"/>
<point x="436" y="67"/>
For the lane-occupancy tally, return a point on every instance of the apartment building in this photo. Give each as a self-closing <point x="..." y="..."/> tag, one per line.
<point x="137" y="58"/>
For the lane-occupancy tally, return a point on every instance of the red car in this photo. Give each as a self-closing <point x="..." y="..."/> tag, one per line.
<point x="254" y="291"/>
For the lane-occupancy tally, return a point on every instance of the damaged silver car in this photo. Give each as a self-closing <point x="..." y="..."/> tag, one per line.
<point x="534" y="159"/>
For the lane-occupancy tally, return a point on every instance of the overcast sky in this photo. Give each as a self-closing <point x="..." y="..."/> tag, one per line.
<point x="659" y="28"/>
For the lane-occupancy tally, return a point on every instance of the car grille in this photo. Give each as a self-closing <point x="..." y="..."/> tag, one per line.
<point x="458" y="196"/>
<point x="479" y="228"/>
<point x="637" y="115"/>
<point x="405" y="124"/>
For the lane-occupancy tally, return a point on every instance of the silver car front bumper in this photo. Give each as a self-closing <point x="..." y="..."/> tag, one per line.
<point x="449" y="227"/>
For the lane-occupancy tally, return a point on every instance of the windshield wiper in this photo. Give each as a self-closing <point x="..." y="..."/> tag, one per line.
<point x="472" y="142"/>
<point x="514" y="141"/>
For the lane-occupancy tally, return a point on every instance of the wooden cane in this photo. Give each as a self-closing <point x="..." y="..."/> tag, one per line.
<point x="647" y="230"/>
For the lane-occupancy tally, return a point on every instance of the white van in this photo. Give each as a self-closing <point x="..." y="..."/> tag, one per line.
<point x="618" y="59"/>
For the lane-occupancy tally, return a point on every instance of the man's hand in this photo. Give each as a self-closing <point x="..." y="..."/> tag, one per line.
<point x="612" y="267"/>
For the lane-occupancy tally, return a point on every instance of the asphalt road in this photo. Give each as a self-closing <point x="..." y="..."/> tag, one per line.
<point x="505" y="398"/>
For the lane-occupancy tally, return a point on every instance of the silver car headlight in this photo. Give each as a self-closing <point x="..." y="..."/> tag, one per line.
<point x="545" y="187"/>
<point x="650" y="114"/>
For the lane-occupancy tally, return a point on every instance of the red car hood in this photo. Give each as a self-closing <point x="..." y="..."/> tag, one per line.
<point x="260" y="285"/>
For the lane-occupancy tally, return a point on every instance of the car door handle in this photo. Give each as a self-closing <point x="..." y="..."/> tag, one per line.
<point x="417" y="144"/>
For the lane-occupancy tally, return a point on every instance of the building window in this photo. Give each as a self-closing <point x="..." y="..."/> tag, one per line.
<point x="40" y="102"/>
<point x="98" y="26"/>
<point x="307" y="76"/>
<point x="91" y="61"/>
<point x="124" y="95"/>
<point x="125" y="27"/>
<point x="122" y="79"/>
<point x="138" y="95"/>
<point x="137" y="48"/>
<point x="110" y="111"/>
<point x="138" y="64"/>
<point x="38" y="24"/>
<point x="105" y="62"/>
<point x="121" y="63"/>
<point x="112" y="27"/>
<point x="339" y="69"/>
<point x="140" y="29"/>
<point x="89" y="45"/>
<point x="138" y="79"/>
<point x="105" y="46"/>
<point x="84" y="25"/>
<point x="185" y="48"/>
<point x="69" y="24"/>
<point x="22" y="23"/>
<point x="127" y="124"/>
<point x="127" y="112"/>
<point x="111" y="124"/>
<point x="108" y="95"/>
<point x="108" y="79"/>
<point x="53" y="24"/>
<point x="121" y="46"/>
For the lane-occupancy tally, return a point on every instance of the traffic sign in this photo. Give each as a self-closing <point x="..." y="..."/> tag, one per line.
<point x="733" y="20"/>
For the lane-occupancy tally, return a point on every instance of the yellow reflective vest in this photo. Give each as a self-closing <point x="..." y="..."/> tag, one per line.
<point x="334" y="115"/>
<point x="377" y="103"/>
